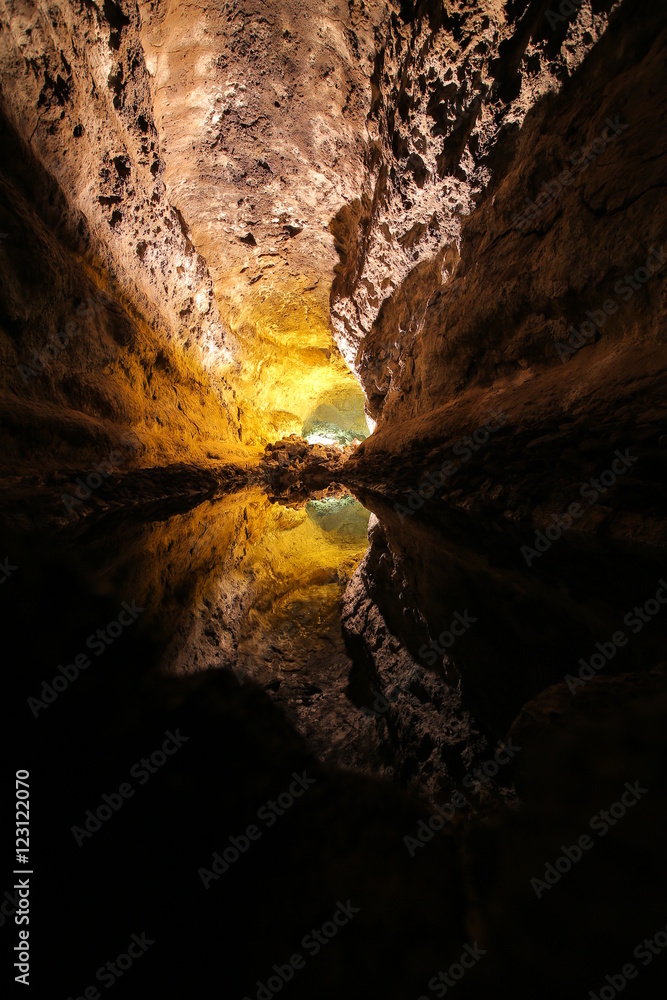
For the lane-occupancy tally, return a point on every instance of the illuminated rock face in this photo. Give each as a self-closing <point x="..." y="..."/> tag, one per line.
<point x="278" y="197"/>
<point x="450" y="83"/>
<point x="75" y="84"/>
<point x="82" y="370"/>
<point x="261" y="114"/>
<point x="551" y="310"/>
<point x="201" y="155"/>
<point x="176" y="181"/>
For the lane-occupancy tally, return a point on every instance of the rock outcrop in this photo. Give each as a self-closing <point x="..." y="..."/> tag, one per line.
<point x="450" y="89"/>
<point x="551" y="309"/>
<point x="76" y="87"/>
<point x="85" y="378"/>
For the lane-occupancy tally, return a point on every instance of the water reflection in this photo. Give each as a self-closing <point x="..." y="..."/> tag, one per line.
<point x="248" y="584"/>
<point x="362" y="645"/>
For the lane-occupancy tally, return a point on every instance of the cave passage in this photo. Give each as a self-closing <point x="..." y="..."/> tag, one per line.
<point x="333" y="465"/>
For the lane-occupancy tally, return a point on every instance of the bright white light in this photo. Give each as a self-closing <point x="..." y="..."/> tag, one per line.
<point x="320" y="439"/>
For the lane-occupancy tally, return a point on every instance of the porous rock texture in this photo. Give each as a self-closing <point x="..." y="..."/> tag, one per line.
<point x="179" y="179"/>
<point x="92" y="114"/>
<point x="451" y="83"/>
<point x="209" y="162"/>
<point x="109" y="324"/>
<point x="75" y="84"/>
<point x="85" y="378"/>
<point x="549" y="306"/>
<point x="260" y="111"/>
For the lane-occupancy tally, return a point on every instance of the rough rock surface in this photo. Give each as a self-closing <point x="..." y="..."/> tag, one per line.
<point x="201" y="156"/>
<point x="173" y="164"/>
<point x="75" y="85"/>
<point x="82" y="371"/>
<point x="260" y="112"/>
<point x="293" y="468"/>
<point x="243" y="124"/>
<point x="495" y="331"/>
<point x="451" y="86"/>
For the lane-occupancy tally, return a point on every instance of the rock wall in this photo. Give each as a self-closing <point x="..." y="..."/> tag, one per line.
<point x="260" y="112"/>
<point x="552" y="310"/>
<point x="209" y="163"/>
<point x="450" y="88"/>
<point x="84" y="376"/>
<point x="75" y="85"/>
<point x="202" y="153"/>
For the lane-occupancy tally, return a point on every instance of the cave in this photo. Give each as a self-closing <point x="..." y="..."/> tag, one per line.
<point x="333" y="577"/>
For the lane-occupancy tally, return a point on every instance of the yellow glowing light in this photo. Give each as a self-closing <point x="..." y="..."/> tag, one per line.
<point x="291" y="368"/>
